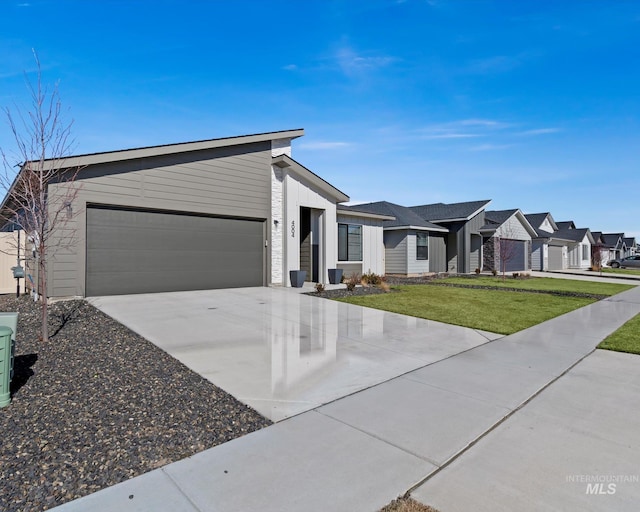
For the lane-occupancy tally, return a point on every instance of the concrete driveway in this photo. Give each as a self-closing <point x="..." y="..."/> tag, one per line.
<point x="282" y="352"/>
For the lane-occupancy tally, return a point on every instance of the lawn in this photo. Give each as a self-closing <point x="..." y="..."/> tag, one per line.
<point x="625" y="339"/>
<point x="499" y="311"/>
<point x="632" y="271"/>
<point x="543" y="284"/>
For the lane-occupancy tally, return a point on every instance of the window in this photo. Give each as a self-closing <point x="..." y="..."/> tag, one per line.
<point x="349" y="242"/>
<point x="585" y="252"/>
<point x="422" y="246"/>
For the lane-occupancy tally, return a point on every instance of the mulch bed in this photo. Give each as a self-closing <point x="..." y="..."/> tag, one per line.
<point x="97" y="405"/>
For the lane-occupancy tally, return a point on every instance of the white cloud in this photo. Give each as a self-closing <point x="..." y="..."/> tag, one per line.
<point x="540" y="131"/>
<point x="451" y="136"/>
<point x="487" y="123"/>
<point x="290" y="67"/>
<point x="490" y="147"/>
<point x="462" y="129"/>
<point x="324" y="145"/>
<point x="352" y="62"/>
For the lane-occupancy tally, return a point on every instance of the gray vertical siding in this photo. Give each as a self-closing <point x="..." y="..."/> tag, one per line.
<point x="453" y="244"/>
<point x="395" y="252"/>
<point x="437" y="252"/>
<point x="469" y="254"/>
<point x="232" y="181"/>
<point x="474" y="255"/>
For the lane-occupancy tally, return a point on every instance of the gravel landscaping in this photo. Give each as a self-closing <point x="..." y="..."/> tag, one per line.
<point x="98" y="405"/>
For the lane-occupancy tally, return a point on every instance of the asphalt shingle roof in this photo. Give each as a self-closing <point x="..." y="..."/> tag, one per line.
<point x="566" y="224"/>
<point x="404" y="216"/>
<point x="536" y="220"/>
<point x="573" y="234"/>
<point x="443" y="212"/>
<point x="611" y="239"/>
<point x="496" y="218"/>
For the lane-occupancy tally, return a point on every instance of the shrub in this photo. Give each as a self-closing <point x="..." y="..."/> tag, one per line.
<point x="352" y="281"/>
<point x="371" y="278"/>
<point x="515" y="275"/>
<point x="477" y="271"/>
<point x="494" y="272"/>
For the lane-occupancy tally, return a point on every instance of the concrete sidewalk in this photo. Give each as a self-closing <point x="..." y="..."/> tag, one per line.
<point x="360" y="452"/>
<point x="587" y="275"/>
<point x="573" y="447"/>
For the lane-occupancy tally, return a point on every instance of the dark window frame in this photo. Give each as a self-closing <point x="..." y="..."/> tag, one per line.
<point x="422" y="249"/>
<point x="349" y="242"/>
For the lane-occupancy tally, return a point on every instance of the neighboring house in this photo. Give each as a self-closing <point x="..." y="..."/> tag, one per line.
<point x="549" y="251"/>
<point x="579" y="248"/>
<point x="612" y="246"/>
<point x="507" y="237"/>
<point x="631" y="247"/>
<point x="464" y="240"/>
<point x="219" y="213"/>
<point x="412" y="246"/>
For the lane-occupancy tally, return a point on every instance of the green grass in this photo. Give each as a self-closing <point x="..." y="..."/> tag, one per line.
<point x="544" y="284"/>
<point x="608" y="270"/>
<point x="498" y="311"/>
<point x="625" y="339"/>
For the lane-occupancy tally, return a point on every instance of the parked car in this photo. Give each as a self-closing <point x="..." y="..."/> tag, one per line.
<point x="629" y="261"/>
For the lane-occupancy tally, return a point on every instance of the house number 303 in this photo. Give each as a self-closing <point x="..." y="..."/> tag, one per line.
<point x="293" y="229"/>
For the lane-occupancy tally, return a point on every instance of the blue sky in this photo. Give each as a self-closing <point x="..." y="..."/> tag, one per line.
<point x="533" y="104"/>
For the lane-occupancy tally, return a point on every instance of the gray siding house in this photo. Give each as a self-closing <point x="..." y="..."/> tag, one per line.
<point x="218" y="213"/>
<point x="559" y="245"/>
<point x="412" y="246"/>
<point x="507" y="237"/>
<point x="464" y="240"/>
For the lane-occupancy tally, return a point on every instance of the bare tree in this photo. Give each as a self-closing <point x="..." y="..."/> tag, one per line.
<point x="506" y="250"/>
<point x="597" y="257"/>
<point x="43" y="141"/>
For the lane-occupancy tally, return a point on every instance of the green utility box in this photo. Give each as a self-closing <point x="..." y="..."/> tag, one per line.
<point x="6" y="363"/>
<point x="10" y="320"/>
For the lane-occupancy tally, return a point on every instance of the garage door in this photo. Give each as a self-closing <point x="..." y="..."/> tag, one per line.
<point x="555" y="258"/>
<point x="517" y="261"/>
<point x="133" y="251"/>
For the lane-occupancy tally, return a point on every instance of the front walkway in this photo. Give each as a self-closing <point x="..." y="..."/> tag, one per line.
<point x="363" y="450"/>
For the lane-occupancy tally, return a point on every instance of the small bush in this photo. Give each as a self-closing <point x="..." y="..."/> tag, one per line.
<point x="494" y="272"/>
<point x="477" y="271"/>
<point x="515" y="275"/>
<point x="352" y="281"/>
<point x="320" y="288"/>
<point x="371" y="279"/>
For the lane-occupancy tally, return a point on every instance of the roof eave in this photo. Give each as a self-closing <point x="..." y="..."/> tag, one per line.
<point x="355" y="213"/>
<point x="182" y="147"/>
<point x="286" y="162"/>
<point x="417" y="228"/>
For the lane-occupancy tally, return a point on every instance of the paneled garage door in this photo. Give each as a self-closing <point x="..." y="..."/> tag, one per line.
<point x="555" y="258"/>
<point x="135" y="251"/>
<point x="517" y="252"/>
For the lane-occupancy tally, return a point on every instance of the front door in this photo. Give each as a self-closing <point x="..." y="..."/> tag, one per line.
<point x="310" y="242"/>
